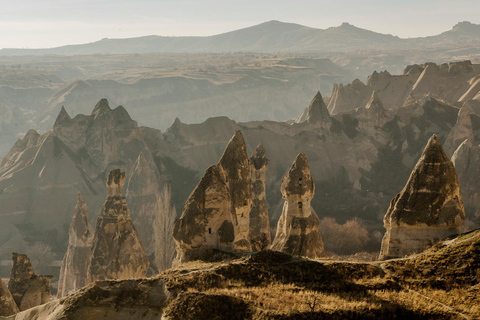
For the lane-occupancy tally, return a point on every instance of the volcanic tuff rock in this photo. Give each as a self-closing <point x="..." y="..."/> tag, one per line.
<point x="27" y="289"/>
<point x="217" y="213"/>
<point x="235" y="168"/>
<point x="117" y="252"/>
<point x="454" y="83"/>
<point x="7" y="304"/>
<point x="41" y="175"/>
<point x="316" y="114"/>
<point x="466" y="127"/>
<point x="428" y="209"/>
<point x="73" y="272"/>
<point x="297" y="229"/>
<point x="260" y="236"/>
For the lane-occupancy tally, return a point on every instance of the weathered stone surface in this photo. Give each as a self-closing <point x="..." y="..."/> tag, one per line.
<point x="73" y="272"/>
<point x="316" y="113"/>
<point x="27" y="289"/>
<point x="150" y="198"/>
<point x="109" y="300"/>
<point x="466" y="127"/>
<point x="260" y="236"/>
<point x="7" y="304"/>
<point x="117" y="252"/>
<point x="297" y="229"/>
<point x="207" y="219"/>
<point x="235" y="169"/>
<point x="428" y="209"/>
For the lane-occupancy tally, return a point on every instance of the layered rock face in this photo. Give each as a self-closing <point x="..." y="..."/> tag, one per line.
<point x="297" y="229"/>
<point x="428" y="209"/>
<point x="73" y="272"/>
<point x="117" y="252"/>
<point x="7" y="304"/>
<point x="260" y="236"/>
<point x="27" y="289"/>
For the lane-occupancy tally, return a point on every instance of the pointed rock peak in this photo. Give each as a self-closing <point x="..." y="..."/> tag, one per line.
<point x="259" y="158"/>
<point x="236" y="150"/>
<point x="375" y="103"/>
<point x="177" y="121"/>
<point x="62" y="117"/>
<point x="298" y="180"/>
<point x="317" y="111"/>
<point x="101" y="106"/>
<point x="433" y="152"/>
<point x="115" y="183"/>
<point x="121" y="114"/>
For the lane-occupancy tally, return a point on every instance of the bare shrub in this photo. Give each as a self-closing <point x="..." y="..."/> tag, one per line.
<point x="41" y="256"/>
<point x="344" y="239"/>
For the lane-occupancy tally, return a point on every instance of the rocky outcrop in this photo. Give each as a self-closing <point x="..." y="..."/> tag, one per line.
<point x="348" y="97"/>
<point x="108" y="300"/>
<point x="73" y="272"/>
<point x="466" y="160"/>
<point x="149" y="197"/>
<point x="428" y="209"/>
<point x="117" y="252"/>
<point x="235" y="168"/>
<point x="466" y="127"/>
<point x="206" y="223"/>
<point x="27" y="289"/>
<point x="7" y="304"/>
<point x="217" y="213"/>
<point x="297" y="229"/>
<point x="260" y="236"/>
<point x="316" y="113"/>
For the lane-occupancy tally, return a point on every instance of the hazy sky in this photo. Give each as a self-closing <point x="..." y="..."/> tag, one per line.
<point x="48" y="23"/>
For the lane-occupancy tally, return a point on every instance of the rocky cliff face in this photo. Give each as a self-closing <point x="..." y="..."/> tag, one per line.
<point x="117" y="251"/>
<point x="73" y="272"/>
<point x="297" y="229"/>
<point x="454" y="83"/>
<point x="7" y="304"/>
<point x="428" y="209"/>
<point x="27" y="289"/>
<point x="43" y="174"/>
<point x="260" y="236"/>
<point x="316" y="114"/>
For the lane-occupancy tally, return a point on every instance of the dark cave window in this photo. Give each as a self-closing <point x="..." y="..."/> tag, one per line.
<point x="300" y="182"/>
<point x="209" y="230"/>
<point x="300" y="205"/>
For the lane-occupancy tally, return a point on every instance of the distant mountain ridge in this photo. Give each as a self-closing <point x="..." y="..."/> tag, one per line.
<point x="271" y="36"/>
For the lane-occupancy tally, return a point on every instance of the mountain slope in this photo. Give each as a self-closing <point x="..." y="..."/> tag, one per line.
<point x="271" y="36"/>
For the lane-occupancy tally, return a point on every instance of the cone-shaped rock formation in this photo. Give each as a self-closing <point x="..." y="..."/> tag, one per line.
<point x="428" y="209"/>
<point x="316" y="113"/>
<point x="62" y="117"/>
<point x="117" y="252"/>
<point x="297" y="229"/>
<point x="73" y="272"/>
<point x="7" y="304"/>
<point x="27" y="289"/>
<point x="235" y="168"/>
<point x="259" y="221"/>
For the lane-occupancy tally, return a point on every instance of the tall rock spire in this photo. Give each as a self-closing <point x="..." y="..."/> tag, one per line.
<point x="297" y="229"/>
<point x="260" y="236"/>
<point x="28" y="289"/>
<point x="428" y="209"/>
<point x="73" y="272"/>
<point x="236" y="170"/>
<point x="117" y="252"/>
